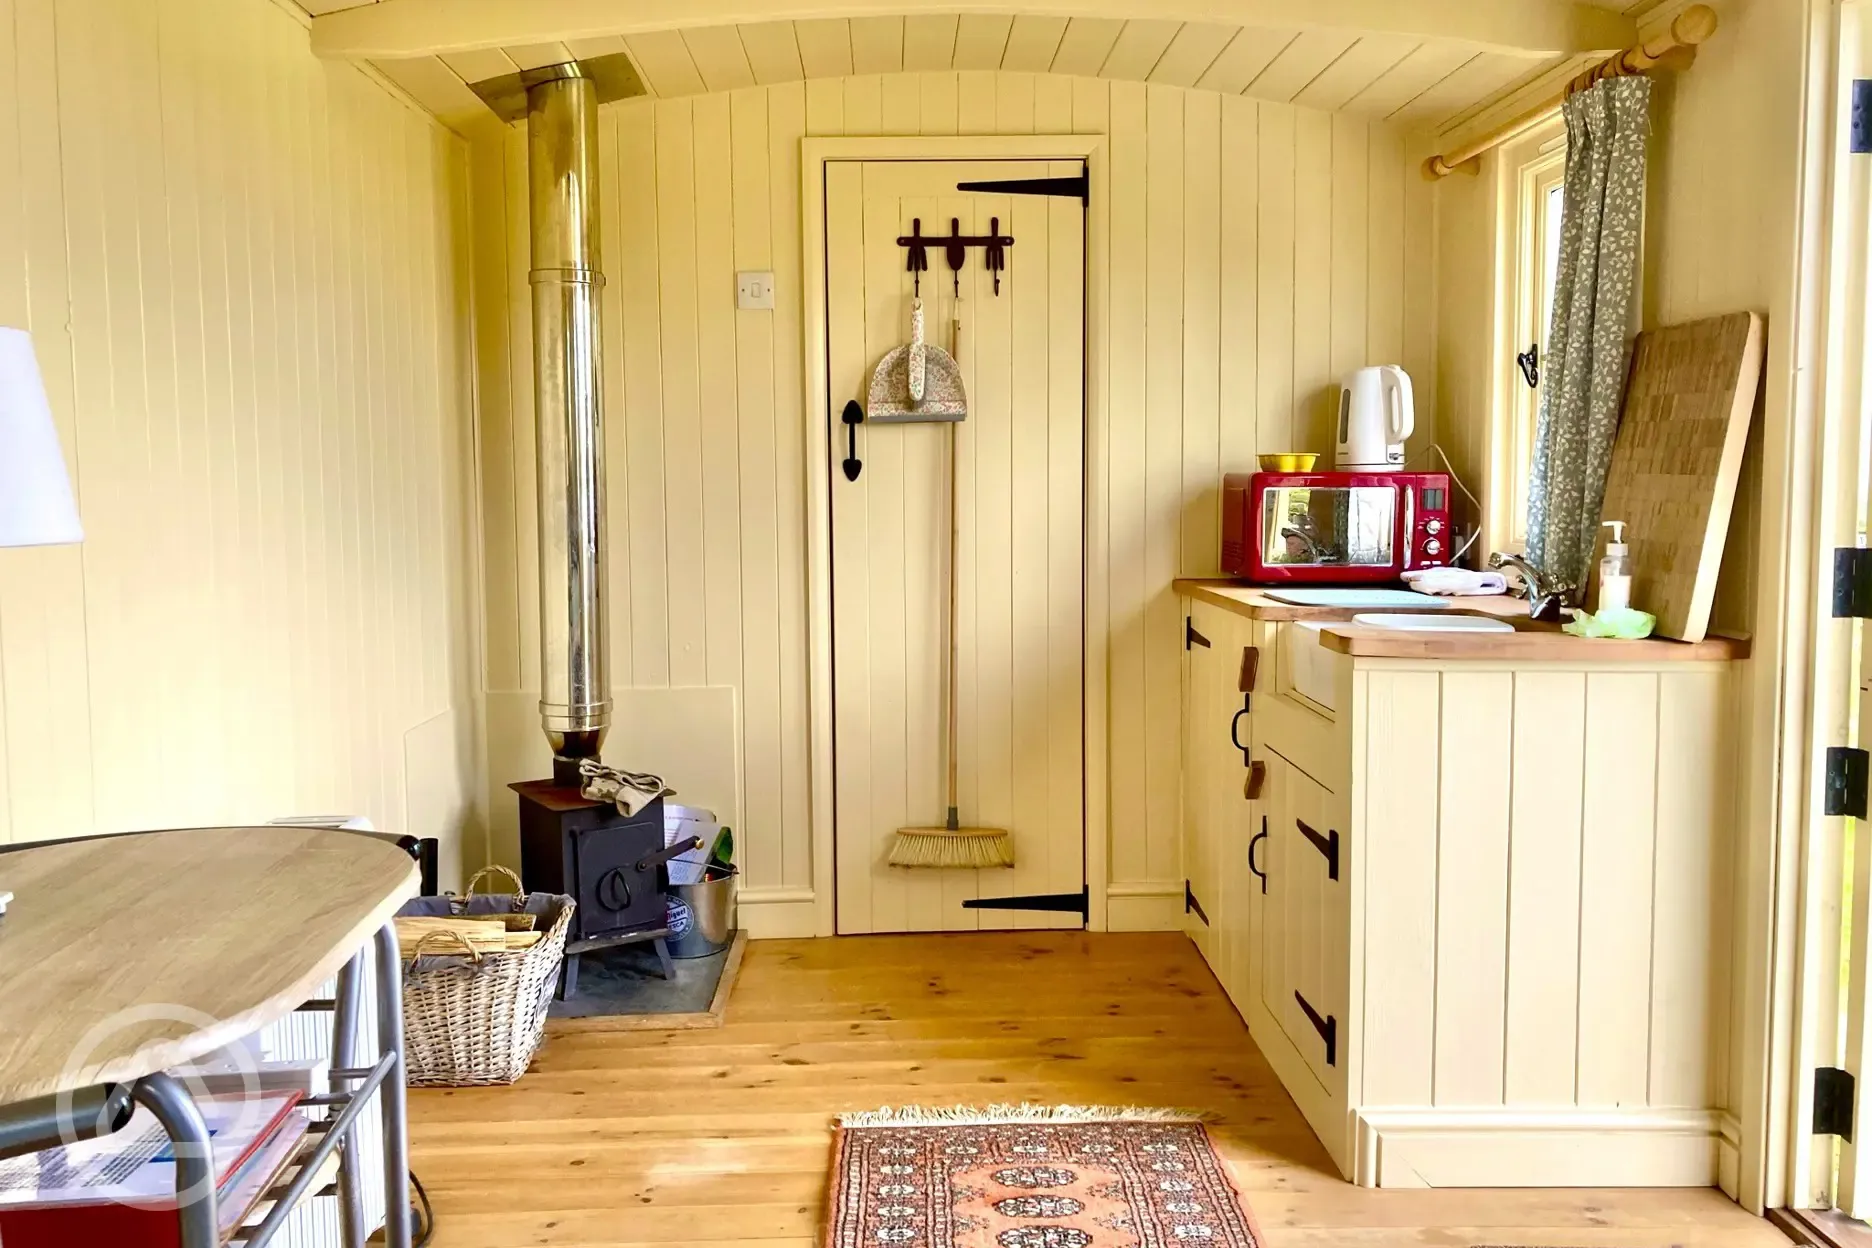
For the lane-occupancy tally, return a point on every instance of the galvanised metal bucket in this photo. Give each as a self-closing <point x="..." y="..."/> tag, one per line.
<point x="702" y="916"/>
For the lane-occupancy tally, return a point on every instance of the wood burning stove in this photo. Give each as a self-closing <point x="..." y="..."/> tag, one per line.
<point x="612" y="865"/>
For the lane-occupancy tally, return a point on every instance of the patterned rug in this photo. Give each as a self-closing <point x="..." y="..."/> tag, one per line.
<point x="1030" y="1176"/>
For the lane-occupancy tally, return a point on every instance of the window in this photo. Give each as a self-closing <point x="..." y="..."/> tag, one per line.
<point x="1539" y="192"/>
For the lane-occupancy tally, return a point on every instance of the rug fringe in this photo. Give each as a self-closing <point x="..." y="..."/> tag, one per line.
<point x="998" y="1115"/>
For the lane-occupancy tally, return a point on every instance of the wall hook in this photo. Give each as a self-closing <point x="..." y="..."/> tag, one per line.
<point x="997" y="251"/>
<point x="919" y="256"/>
<point x="956" y="252"/>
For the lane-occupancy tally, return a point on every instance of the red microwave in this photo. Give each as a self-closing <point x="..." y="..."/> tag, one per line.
<point x="1334" y="527"/>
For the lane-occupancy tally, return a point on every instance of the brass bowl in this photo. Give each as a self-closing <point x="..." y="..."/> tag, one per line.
<point x="1289" y="461"/>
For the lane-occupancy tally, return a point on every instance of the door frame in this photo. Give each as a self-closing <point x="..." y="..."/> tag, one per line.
<point x="815" y="155"/>
<point x="1831" y="305"/>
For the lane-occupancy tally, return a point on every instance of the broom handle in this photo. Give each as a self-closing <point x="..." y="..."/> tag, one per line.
<point x="955" y="649"/>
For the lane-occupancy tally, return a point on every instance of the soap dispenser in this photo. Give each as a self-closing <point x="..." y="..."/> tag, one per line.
<point x="1615" y="570"/>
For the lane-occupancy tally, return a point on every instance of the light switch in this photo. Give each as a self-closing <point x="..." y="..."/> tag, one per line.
<point x="754" y="291"/>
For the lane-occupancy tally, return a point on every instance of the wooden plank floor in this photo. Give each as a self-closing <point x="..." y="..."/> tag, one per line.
<point x="719" y="1137"/>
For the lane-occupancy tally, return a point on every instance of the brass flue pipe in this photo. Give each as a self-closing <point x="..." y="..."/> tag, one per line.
<point x="1691" y="27"/>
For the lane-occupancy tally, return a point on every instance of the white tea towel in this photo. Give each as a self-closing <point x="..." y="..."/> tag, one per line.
<point x="630" y="790"/>
<point x="1456" y="582"/>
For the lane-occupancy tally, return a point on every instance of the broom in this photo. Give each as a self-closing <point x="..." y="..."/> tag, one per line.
<point x="952" y="845"/>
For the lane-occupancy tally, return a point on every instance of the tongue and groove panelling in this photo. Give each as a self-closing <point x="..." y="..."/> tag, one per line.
<point x="1253" y="252"/>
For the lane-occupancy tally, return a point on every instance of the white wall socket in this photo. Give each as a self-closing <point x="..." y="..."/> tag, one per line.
<point x="754" y="291"/>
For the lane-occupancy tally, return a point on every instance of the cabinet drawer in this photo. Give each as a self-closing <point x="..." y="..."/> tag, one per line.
<point x="1306" y="710"/>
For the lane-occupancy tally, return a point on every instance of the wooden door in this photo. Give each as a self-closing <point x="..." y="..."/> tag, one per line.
<point x="1305" y="938"/>
<point x="1019" y="480"/>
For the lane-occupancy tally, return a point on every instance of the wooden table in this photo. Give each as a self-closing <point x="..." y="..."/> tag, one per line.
<point x="123" y="956"/>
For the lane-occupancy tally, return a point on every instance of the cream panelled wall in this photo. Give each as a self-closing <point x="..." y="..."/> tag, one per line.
<point x="244" y="270"/>
<point x="1253" y="252"/>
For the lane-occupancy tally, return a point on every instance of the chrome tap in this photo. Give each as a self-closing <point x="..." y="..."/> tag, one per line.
<point x="1545" y="597"/>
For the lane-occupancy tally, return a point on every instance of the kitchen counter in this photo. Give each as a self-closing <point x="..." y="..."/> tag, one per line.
<point x="1532" y="640"/>
<point x="1466" y="888"/>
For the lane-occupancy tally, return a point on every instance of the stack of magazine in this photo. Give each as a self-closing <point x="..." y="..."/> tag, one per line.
<point x="119" y="1191"/>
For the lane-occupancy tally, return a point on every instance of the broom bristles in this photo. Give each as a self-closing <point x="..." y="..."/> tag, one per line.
<point x="952" y="848"/>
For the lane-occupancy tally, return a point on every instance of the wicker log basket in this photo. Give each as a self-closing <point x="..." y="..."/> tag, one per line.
<point x="471" y="1017"/>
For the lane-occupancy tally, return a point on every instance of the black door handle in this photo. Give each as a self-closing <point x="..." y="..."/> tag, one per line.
<point x="1258" y="838"/>
<point x="1327" y="845"/>
<point x="614" y="890"/>
<point x="1191" y="637"/>
<point x="1235" y="732"/>
<point x="1328" y="1028"/>
<point x="853" y="416"/>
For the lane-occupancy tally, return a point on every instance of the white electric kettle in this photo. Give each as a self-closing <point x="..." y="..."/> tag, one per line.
<point x="1376" y="414"/>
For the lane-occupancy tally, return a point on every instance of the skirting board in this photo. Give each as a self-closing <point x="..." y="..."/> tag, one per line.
<point x="792" y="913"/>
<point x="1518" y="1147"/>
<point x="1144" y="908"/>
<point x="778" y="913"/>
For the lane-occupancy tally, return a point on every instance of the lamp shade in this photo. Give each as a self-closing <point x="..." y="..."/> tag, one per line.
<point x="36" y="507"/>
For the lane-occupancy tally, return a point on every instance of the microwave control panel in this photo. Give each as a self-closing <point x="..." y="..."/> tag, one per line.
<point x="1430" y="540"/>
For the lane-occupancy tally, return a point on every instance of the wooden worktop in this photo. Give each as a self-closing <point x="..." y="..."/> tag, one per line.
<point x="126" y="955"/>
<point x="1532" y="640"/>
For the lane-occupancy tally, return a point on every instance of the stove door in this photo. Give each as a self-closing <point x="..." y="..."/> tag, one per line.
<point x="612" y="894"/>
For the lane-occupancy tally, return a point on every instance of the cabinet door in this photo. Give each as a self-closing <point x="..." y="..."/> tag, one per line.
<point x="1305" y="937"/>
<point x="1247" y="846"/>
<point x="1235" y="818"/>
<point x="1201" y="664"/>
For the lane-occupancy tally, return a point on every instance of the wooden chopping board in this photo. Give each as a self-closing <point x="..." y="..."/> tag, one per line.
<point x="1688" y="401"/>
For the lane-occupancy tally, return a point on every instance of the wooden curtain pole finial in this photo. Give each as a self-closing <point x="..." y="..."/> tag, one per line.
<point x="1688" y="29"/>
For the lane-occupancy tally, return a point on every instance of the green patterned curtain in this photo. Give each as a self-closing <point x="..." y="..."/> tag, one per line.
<point x="1588" y="344"/>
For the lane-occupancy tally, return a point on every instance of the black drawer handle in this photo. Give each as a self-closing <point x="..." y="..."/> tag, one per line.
<point x="1327" y="1027"/>
<point x="1258" y="838"/>
<point x="1327" y="845"/>
<point x="614" y="891"/>
<point x="1190" y="903"/>
<point x="1190" y="636"/>
<point x="1235" y="733"/>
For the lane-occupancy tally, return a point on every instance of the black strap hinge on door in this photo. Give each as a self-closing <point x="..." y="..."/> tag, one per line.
<point x="1852" y="583"/>
<point x="1860" y="127"/>
<point x="1327" y="1026"/>
<point x="1846" y="774"/>
<point x="1079" y="903"/>
<point x="1833" y="1102"/>
<point x="1191" y="905"/>
<point x="1327" y="845"/>
<point x="1078" y="187"/>
<point x="1190" y="636"/>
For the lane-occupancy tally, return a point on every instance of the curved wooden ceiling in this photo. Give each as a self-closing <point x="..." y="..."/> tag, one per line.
<point x="1414" y="79"/>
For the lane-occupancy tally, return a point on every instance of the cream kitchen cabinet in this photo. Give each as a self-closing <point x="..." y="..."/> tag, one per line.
<point x="1475" y="912"/>
<point x="1221" y="819"/>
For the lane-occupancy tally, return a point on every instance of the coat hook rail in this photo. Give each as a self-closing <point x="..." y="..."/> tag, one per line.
<point x="994" y="245"/>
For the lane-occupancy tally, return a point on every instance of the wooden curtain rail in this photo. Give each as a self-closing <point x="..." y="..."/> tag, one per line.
<point x="1691" y="27"/>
